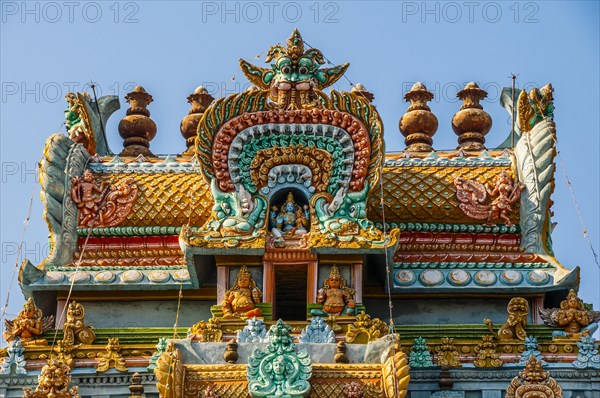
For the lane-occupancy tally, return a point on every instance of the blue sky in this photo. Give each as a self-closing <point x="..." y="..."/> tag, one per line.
<point x="171" y="47"/>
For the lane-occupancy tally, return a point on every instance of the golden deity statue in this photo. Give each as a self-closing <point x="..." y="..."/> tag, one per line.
<point x="241" y="299"/>
<point x="337" y="298"/>
<point x="573" y="317"/>
<point x="28" y="325"/>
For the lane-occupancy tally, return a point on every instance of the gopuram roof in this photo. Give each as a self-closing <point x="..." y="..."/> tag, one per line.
<point x="473" y="219"/>
<point x="280" y="238"/>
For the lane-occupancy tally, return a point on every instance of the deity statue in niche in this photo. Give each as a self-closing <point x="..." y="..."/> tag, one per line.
<point x="242" y="298"/>
<point x="337" y="298"/>
<point x="290" y="219"/>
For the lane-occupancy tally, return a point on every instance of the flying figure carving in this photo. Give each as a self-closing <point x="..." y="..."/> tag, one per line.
<point x="474" y="198"/>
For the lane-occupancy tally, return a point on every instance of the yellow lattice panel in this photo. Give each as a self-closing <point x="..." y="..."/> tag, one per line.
<point x="422" y="194"/>
<point x="167" y="199"/>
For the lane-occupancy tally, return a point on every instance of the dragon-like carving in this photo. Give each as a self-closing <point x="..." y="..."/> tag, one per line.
<point x="535" y="154"/>
<point x="341" y="220"/>
<point x="237" y="220"/>
<point x="535" y="107"/>
<point x="395" y="373"/>
<point x="296" y="78"/>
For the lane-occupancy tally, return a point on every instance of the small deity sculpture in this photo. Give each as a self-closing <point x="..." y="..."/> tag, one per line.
<point x="473" y="198"/>
<point x="241" y="299"/>
<point x="74" y="329"/>
<point x="572" y="315"/>
<point x="516" y="323"/>
<point x="82" y="192"/>
<point x="336" y="297"/>
<point x="28" y="325"/>
<point x="291" y="219"/>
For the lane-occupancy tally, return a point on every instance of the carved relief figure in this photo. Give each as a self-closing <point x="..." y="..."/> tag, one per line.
<point x="337" y="298"/>
<point x="99" y="205"/>
<point x="290" y="220"/>
<point x="474" y="202"/>
<point x="241" y="299"/>
<point x="28" y="325"/>
<point x="572" y="315"/>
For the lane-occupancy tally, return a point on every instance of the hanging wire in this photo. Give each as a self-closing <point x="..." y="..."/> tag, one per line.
<point x="387" y="265"/>
<point x="586" y="234"/>
<point x="20" y="248"/>
<point x="234" y="75"/>
<point x="175" y="334"/>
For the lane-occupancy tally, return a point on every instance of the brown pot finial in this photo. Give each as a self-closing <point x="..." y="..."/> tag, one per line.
<point x="136" y="128"/>
<point x="418" y="124"/>
<point x="471" y="123"/>
<point x="200" y="100"/>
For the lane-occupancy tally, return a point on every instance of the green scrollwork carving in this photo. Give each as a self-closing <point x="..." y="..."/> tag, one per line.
<point x="280" y="372"/>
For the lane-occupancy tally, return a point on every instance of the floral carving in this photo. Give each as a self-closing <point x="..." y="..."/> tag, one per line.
<point x="317" y="331"/>
<point x="447" y="354"/>
<point x="112" y="357"/>
<point x="365" y="329"/>
<point x="487" y="357"/>
<point x="207" y="331"/>
<point x="14" y="357"/>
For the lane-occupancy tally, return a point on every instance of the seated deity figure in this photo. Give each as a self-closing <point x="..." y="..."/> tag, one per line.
<point x="28" y="325"/>
<point x="290" y="219"/>
<point x="573" y="317"/>
<point x="337" y="298"/>
<point x="241" y="299"/>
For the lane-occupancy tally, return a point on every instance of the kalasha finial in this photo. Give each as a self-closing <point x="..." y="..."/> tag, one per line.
<point x="136" y="128"/>
<point x="418" y="124"/>
<point x="136" y="387"/>
<point x="360" y="89"/>
<point x="471" y="123"/>
<point x="199" y="100"/>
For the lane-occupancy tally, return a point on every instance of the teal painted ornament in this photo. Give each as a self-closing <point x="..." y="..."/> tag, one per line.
<point x="588" y="356"/>
<point x="15" y="358"/>
<point x="280" y="372"/>
<point x="317" y="331"/>
<point x="420" y="357"/>
<point x="531" y="349"/>
<point x="254" y="332"/>
<point x="161" y="347"/>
